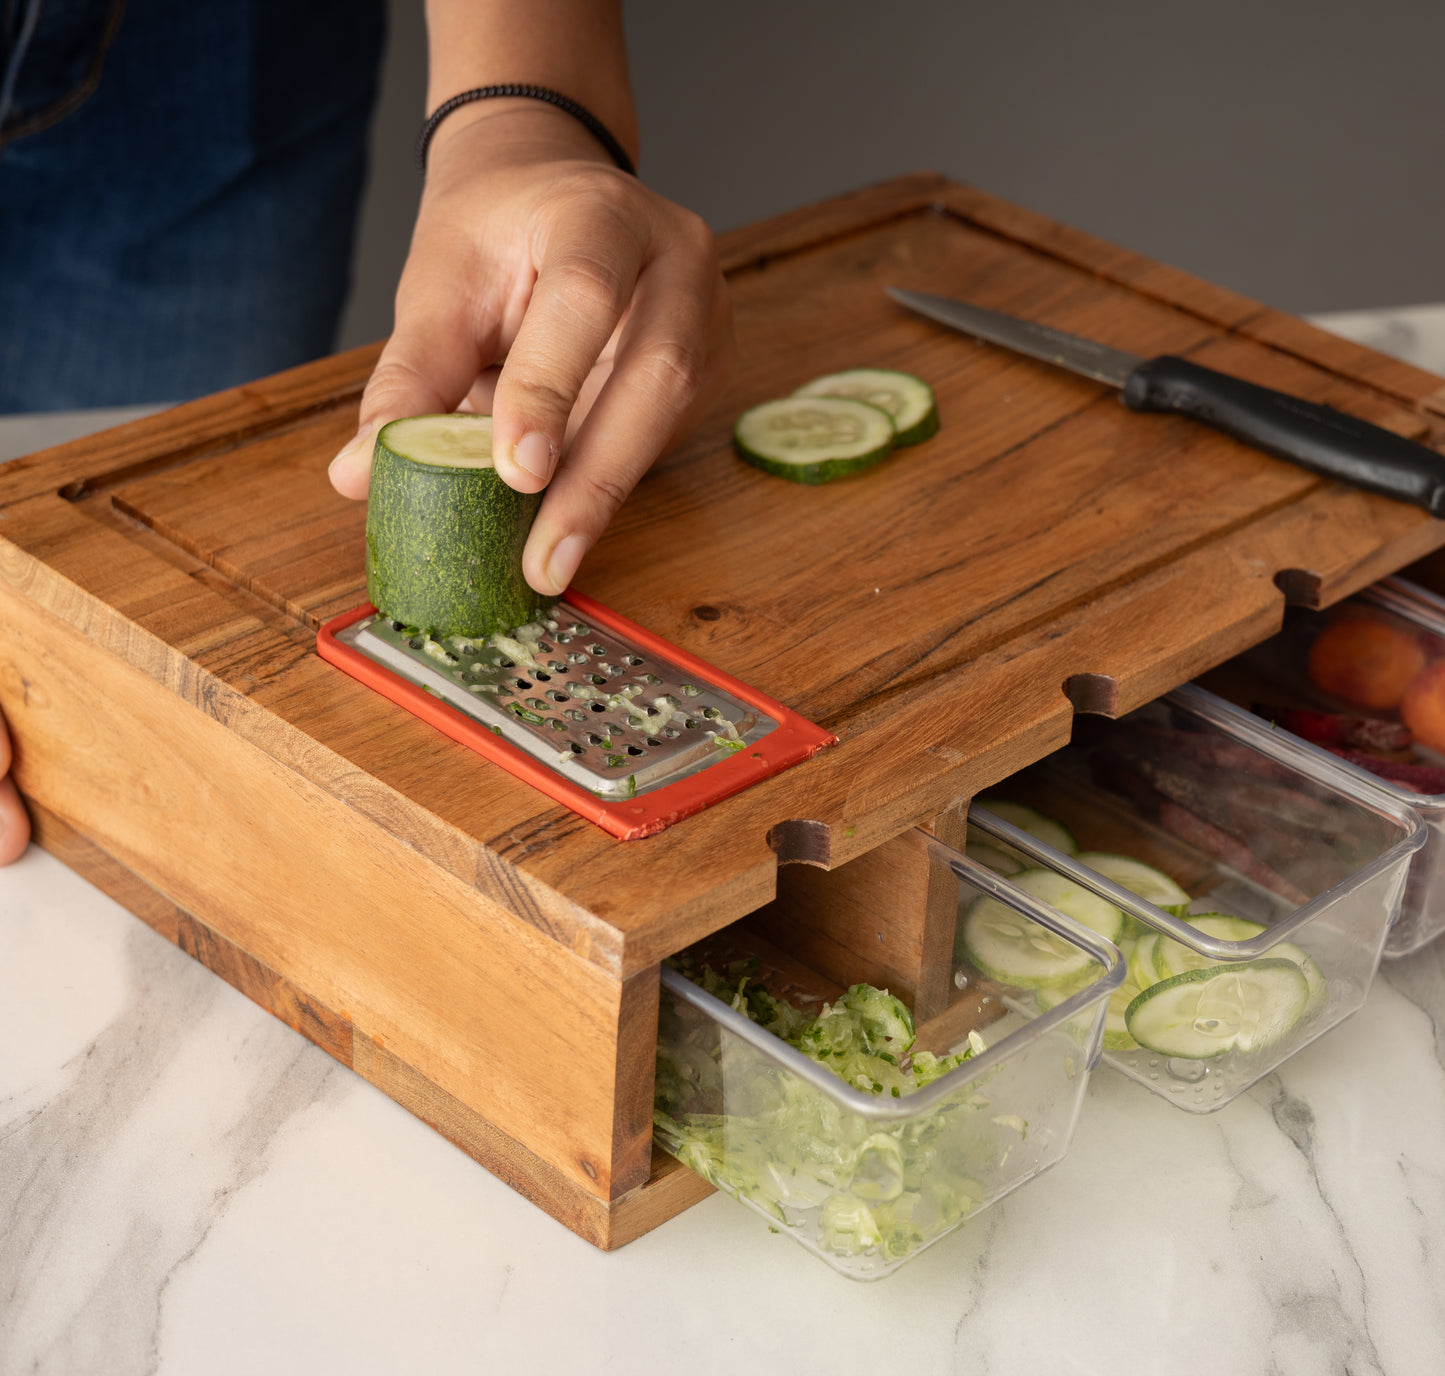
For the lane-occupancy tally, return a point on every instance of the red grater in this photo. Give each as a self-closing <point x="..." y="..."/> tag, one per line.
<point x="598" y="713"/>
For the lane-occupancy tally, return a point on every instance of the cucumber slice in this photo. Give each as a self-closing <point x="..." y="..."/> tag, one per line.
<point x="1153" y="886"/>
<point x="1143" y="968"/>
<point x="999" y="861"/>
<point x="1174" y="958"/>
<point x="1025" y="818"/>
<point x="1116" y="1033"/>
<point x="813" y="439"/>
<point x="444" y="533"/>
<point x="1009" y="947"/>
<point x="907" y="399"/>
<point x="1206" y="1012"/>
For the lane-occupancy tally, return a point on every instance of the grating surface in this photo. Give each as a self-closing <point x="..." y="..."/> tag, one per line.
<point x="580" y="699"/>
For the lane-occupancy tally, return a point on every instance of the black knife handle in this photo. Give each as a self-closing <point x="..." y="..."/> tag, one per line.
<point x="1316" y="437"/>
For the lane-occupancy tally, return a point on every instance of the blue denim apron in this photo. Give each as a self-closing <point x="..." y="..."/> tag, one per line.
<point x="179" y="182"/>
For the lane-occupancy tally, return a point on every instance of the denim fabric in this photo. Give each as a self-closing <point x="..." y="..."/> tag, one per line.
<point x="189" y="226"/>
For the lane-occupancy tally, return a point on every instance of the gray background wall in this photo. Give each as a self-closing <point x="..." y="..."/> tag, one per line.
<point x="1290" y="149"/>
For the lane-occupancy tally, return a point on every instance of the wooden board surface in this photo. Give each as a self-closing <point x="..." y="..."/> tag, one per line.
<point x="930" y="612"/>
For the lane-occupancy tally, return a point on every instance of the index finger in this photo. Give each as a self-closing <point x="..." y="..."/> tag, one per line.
<point x="588" y="271"/>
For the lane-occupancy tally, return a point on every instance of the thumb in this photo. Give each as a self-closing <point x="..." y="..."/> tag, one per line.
<point x="427" y="367"/>
<point x="395" y="389"/>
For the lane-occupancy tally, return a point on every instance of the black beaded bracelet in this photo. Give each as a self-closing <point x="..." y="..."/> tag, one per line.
<point x="583" y="116"/>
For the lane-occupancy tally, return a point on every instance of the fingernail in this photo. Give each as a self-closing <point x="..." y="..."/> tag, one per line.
<point x="565" y="558"/>
<point x="535" y="453"/>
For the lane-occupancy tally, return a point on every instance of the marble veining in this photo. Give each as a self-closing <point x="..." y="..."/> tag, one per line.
<point x="187" y="1186"/>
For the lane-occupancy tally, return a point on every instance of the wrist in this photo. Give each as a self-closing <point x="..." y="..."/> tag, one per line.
<point x="522" y="111"/>
<point x="525" y="135"/>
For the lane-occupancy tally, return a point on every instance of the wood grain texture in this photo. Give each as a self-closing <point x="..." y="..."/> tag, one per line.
<point x="1040" y="499"/>
<point x="885" y="918"/>
<point x="303" y="889"/>
<point x="667" y="1190"/>
<point x="159" y="587"/>
<point x="73" y="848"/>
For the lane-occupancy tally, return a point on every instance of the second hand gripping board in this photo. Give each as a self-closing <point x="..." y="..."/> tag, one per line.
<point x="627" y="730"/>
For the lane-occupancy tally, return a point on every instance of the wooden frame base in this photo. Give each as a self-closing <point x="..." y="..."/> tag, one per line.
<point x="375" y="886"/>
<point x="668" y="1190"/>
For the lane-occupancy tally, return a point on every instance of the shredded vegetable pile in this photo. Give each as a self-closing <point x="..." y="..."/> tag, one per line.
<point x="767" y="1137"/>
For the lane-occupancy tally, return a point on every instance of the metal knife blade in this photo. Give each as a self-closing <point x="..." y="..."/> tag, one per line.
<point x="1316" y="437"/>
<point x="1084" y="356"/>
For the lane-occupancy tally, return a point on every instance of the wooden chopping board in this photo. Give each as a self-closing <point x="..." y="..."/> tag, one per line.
<point x="931" y="612"/>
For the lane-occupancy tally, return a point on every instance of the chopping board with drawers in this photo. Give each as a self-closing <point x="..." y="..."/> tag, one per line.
<point x="487" y="957"/>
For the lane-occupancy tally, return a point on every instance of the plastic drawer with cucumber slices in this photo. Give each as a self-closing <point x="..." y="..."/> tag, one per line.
<point x="1248" y="884"/>
<point x="863" y="1137"/>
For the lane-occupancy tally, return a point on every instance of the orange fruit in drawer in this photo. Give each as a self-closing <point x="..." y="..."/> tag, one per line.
<point x="1423" y="707"/>
<point x="1365" y="661"/>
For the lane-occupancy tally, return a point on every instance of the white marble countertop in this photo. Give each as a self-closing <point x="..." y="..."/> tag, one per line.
<point x="187" y="1186"/>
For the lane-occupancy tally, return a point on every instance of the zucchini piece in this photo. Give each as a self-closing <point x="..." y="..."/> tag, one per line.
<point x="1025" y="818"/>
<point x="1144" y="881"/>
<point x="1204" y="1013"/>
<point x="444" y="533"/>
<point x="907" y="399"/>
<point x="991" y="857"/>
<point x="1173" y="958"/>
<point x="1116" y="1033"/>
<point x="813" y="439"/>
<point x="1009" y="947"/>
<point x="1143" y="967"/>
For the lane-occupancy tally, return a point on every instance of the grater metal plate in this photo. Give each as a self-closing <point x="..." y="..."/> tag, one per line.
<point x="594" y="711"/>
<point x="575" y="696"/>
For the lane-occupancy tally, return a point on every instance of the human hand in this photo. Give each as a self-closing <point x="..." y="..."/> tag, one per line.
<point x="14" y="823"/>
<point x="602" y="302"/>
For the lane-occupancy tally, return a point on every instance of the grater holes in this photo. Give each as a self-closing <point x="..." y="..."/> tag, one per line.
<point x="650" y="678"/>
<point x="634" y="750"/>
<point x="597" y="707"/>
<point x="541" y="676"/>
<point x="558" y="697"/>
<point x="596" y="679"/>
<point x="633" y="660"/>
<point x="502" y="662"/>
<point x="521" y="683"/>
<point x="574" y="714"/>
<point x="592" y="738"/>
<point x="556" y="724"/>
<point x="577" y="657"/>
<point x="596" y="649"/>
<point x="671" y="732"/>
<point x="537" y="704"/>
<point x="711" y="713"/>
<point x="653" y="741"/>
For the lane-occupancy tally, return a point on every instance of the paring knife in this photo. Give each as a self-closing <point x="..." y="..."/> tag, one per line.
<point x="1316" y="437"/>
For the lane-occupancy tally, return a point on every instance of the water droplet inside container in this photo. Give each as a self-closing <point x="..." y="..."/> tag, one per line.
<point x="1191" y="1072"/>
<point x="960" y="980"/>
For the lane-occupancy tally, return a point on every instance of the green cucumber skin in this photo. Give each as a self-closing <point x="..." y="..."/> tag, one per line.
<point x="444" y="547"/>
<point x="813" y="474"/>
<point x="926" y="429"/>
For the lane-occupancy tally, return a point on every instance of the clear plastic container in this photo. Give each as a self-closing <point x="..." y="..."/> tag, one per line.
<point x="1306" y="861"/>
<point x="863" y="1179"/>
<point x="1277" y="674"/>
